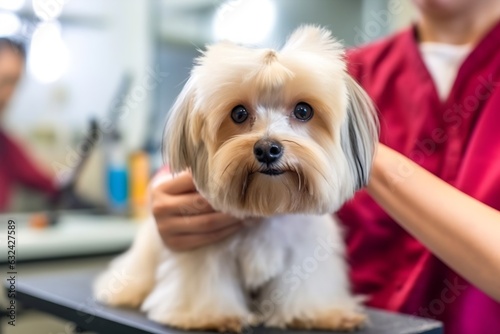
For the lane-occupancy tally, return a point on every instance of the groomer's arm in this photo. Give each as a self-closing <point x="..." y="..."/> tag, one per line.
<point x="185" y="219"/>
<point x="463" y="232"/>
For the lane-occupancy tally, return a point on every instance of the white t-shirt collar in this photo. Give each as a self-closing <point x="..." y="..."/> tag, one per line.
<point x="443" y="62"/>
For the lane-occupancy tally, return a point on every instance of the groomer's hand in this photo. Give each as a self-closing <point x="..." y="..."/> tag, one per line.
<point x="185" y="219"/>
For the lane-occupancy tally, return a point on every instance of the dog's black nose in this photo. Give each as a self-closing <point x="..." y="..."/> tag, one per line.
<point x="267" y="151"/>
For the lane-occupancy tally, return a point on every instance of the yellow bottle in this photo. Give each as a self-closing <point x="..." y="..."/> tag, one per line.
<point x="139" y="181"/>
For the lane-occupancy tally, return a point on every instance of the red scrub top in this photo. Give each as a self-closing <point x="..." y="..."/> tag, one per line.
<point x="17" y="168"/>
<point x="457" y="140"/>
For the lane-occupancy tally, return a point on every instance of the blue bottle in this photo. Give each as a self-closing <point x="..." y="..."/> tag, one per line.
<point x="117" y="175"/>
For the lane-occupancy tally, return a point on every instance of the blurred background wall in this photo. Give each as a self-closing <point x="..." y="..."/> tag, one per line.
<point x="80" y="52"/>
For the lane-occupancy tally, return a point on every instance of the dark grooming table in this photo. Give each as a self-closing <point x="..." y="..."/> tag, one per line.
<point x="68" y="296"/>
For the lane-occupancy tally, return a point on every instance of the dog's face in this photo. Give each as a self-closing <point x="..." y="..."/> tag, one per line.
<point x="268" y="132"/>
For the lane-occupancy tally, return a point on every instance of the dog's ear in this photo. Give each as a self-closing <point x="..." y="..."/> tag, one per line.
<point x="312" y="38"/>
<point x="359" y="133"/>
<point x="182" y="134"/>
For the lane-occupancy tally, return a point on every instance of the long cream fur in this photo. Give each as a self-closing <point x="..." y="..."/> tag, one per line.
<point x="286" y="268"/>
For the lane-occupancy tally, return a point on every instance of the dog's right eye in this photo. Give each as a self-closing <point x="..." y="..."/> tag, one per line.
<point x="303" y="112"/>
<point x="239" y="114"/>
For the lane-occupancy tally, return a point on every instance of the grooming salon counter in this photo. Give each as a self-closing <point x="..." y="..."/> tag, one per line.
<point x="67" y="295"/>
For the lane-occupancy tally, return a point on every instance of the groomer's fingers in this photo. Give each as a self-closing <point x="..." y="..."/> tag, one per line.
<point x="178" y="184"/>
<point x="200" y="224"/>
<point x="184" y="218"/>
<point x="192" y="241"/>
<point x="190" y="204"/>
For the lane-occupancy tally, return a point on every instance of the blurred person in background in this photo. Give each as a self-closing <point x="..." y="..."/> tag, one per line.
<point x="16" y="167"/>
<point x="424" y="238"/>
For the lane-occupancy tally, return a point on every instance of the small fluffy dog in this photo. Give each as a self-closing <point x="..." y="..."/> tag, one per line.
<point x="281" y="139"/>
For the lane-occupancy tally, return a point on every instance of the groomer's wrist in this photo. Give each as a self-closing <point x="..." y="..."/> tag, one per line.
<point x="381" y="169"/>
<point x="390" y="171"/>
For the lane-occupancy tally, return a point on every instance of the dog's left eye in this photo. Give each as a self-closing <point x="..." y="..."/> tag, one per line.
<point x="239" y="114"/>
<point x="303" y="112"/>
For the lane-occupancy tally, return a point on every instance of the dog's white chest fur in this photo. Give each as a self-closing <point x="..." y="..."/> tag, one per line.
<point x="292" y="244"/>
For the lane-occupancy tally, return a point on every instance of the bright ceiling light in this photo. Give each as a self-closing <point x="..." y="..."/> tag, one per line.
<point x="47" y="10"/>
<point x="244" y="21"/>
<point x="10" y="24"/>
<point x="48" y="57"/>
<point x="11" y="4"/>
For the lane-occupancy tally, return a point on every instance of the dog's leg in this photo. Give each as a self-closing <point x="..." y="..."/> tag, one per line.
<point x="199" y="290"/>
<point x="313" y="291"/>
<point x="131" y="276"/>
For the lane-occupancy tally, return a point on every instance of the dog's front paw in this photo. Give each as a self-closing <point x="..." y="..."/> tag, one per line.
<point x="232" y="324"/>
<point x="113" y="288"/>
<point x="335" y="320"/>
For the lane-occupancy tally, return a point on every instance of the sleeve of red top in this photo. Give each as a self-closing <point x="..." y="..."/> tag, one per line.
<point x="26" y="172"/>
